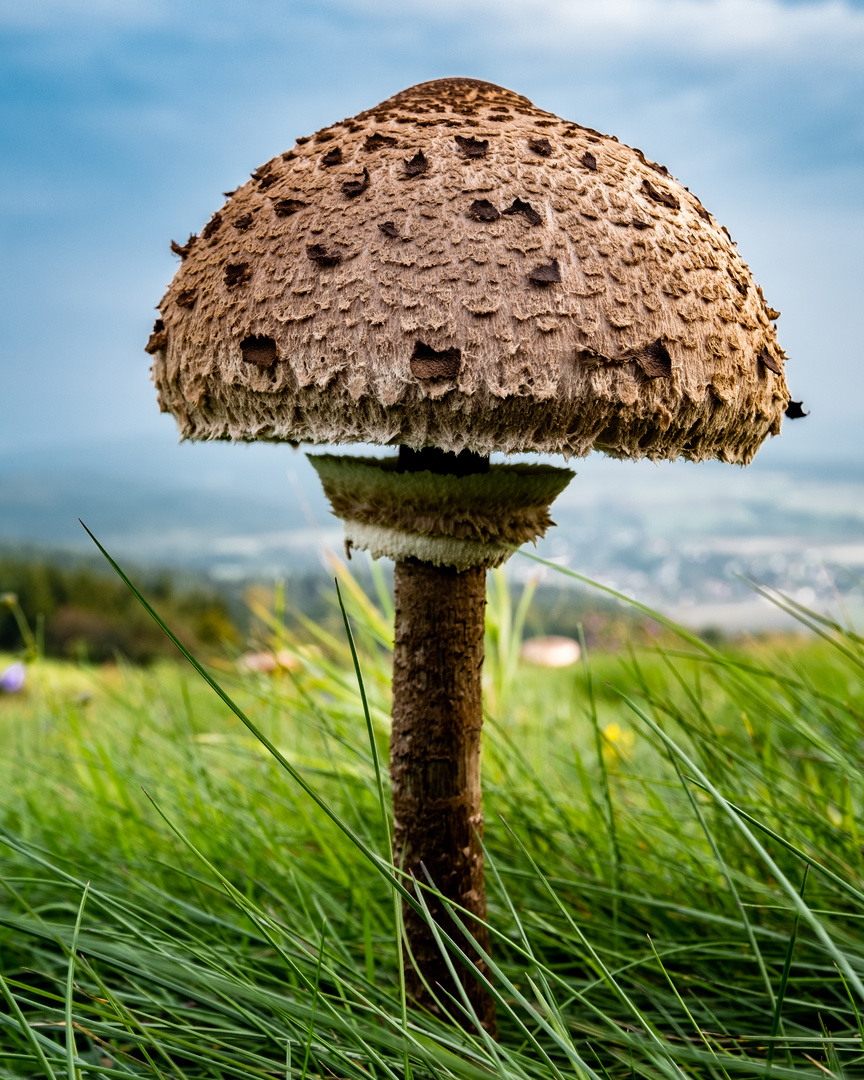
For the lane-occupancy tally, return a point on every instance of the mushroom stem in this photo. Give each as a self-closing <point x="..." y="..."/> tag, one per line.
<point x="435" y="753"/>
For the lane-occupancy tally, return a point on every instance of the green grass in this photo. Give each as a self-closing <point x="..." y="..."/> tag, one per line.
<point x="173" y="903"/>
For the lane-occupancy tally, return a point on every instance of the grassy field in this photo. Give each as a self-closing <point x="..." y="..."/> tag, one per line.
<point x="197" y="886"/>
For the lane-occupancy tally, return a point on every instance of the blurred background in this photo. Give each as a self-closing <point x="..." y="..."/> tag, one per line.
<point x="122" y="123"/>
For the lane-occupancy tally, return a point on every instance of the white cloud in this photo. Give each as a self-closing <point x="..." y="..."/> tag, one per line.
<point x="730" y="29"/>
<point x="719" y="30"/>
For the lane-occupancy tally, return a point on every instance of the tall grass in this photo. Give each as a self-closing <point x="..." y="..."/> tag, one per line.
<point x="195" y="881"/>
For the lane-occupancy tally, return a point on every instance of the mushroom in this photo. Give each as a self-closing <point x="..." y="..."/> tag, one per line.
<point x="456" y="272"/>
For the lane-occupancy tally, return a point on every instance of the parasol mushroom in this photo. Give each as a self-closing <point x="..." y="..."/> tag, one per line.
<point x="456" y="272"/>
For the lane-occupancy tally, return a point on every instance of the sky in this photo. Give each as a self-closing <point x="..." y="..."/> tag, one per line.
<point x="123" y="121"/>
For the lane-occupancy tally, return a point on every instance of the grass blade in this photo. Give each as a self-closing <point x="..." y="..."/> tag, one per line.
<point x="71" y="1053"/>
<point x="784" y="979"/>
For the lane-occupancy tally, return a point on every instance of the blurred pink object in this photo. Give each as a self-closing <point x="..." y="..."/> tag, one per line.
<point x="12" y="678"/>
<point x="550" y="651"/>
<point x="268" y="662"/>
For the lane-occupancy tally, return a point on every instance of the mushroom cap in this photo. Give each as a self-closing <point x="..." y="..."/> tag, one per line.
<point x="458" y="268"/>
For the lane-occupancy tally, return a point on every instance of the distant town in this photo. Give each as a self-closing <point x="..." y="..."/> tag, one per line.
<point x="682" y="538"/>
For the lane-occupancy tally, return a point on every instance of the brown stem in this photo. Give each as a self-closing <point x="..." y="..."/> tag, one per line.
<point x="435" y="759"/>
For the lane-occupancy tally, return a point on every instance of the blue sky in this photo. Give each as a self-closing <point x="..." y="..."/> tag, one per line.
<point x="122" y="122"/>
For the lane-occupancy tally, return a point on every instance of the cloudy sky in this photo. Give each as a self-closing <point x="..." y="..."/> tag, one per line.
<point x="122" y="121"/>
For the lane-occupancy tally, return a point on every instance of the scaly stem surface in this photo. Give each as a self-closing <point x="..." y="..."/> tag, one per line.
<point x="435" y="753"/>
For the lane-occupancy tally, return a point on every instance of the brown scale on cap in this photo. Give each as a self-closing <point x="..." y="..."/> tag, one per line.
<point x="603" y="308"/>
<point x="377" y="140"/>
<point x="769" y="361"/>
<point x="472" y="148"/>
<point x="417" y="165"/>
<point x="286" y="207"/>
<point x="260" y="350"/>
<point x="660" y="196"/>
<point x="548" y="274"/>
<point x="428" y="363"/>
<point x="183" y="249"/>
<point x="526" y="210"/>
<point x="158" y="338"/>
<point x="236" y="274"/>
<point x="483" y="210"/>
<point x="352" y="188"/>
<point x="212" y="226"/>
<point x="319" y="254"/>
<point x="540" y="146"/>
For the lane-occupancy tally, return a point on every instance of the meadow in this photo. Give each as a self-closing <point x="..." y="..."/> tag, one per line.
<point x="195" y="880"/>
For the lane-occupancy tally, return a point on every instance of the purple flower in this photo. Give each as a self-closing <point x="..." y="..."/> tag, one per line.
<point x="12" y="679"/>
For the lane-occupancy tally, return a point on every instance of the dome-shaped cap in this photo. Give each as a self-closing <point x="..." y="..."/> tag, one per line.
<point x="458" y="268"/>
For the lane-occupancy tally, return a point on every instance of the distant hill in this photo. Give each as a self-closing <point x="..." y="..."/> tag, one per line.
<point x="248" y="507"/>
<point x="678" y="536"/>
